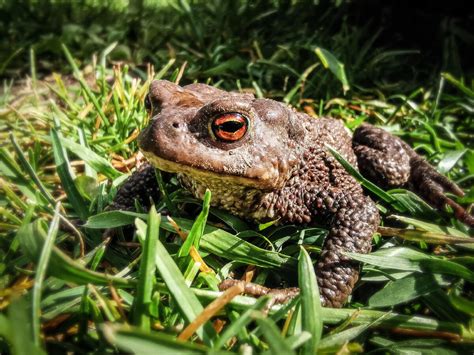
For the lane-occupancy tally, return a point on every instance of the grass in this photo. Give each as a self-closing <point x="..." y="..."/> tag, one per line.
<point x="69" y="140"/>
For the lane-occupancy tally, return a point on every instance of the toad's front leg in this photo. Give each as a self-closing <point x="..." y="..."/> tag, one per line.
<point x="353" y="222"/>
<point x="141" y="187"/>
<point x="353" y="218"/>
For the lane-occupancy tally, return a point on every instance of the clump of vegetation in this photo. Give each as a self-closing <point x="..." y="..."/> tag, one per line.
<point x="69" y="140"/>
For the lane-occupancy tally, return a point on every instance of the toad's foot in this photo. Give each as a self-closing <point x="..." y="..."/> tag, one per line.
<point x="279" y="295"/>
<point x="433" y="186"/>
<point x="390" y="162"/>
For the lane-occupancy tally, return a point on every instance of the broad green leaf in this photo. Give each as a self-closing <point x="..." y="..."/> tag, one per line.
<point x="410" y="260"/>
<point x="404" y="290"/>
<point x="450" y="159"/>
<point x="113" y="219"/>
<point x="430" y="227"/>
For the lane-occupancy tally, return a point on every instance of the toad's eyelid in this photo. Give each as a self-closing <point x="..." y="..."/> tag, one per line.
<point x="230" y="117"/>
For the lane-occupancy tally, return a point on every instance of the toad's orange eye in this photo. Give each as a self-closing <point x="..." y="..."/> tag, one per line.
<point x="229" y="127"/>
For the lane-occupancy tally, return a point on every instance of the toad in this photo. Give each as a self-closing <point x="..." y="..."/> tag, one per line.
<point x="265" y="161"/>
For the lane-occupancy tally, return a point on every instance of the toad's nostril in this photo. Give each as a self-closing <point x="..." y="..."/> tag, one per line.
<point x="175" y="124"/>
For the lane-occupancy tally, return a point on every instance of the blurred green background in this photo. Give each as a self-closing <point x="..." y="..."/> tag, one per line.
<point x="389" y="45"/>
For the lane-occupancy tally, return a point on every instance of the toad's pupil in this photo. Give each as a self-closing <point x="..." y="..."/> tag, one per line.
<point x="230" y="126"/>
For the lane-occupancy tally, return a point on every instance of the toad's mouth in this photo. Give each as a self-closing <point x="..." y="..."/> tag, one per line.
<point x="204" y="176"/>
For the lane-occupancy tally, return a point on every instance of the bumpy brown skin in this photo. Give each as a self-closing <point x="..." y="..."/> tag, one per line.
<point x="141" y="187"/>
<point x="281" y="169"/>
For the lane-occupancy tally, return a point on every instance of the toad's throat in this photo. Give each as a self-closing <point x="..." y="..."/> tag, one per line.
<point x="240" y="196"/>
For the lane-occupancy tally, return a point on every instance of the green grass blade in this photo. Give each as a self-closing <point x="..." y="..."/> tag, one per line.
<point x="85" y="86"/>
<point x="364" y="182"/>
<point x="330" y="62"/>
<point x="430" y="227"/>
<point x="136" y="341"/>
<point x="391" y="320"/>
<point x="41" y="274"/>
<point x="421" y="263"/>
<point x="334" y="342"/>
<point x="113" y="219"/>
<point x="169" y="203"/>
<point x="16" y="327"/>
<point x="241" y="322"/>
<point x="67" y="181"/>
<point x="27" y="166"/>
<point x="413" y="204"/>
<point x="297" y="340"/>
<point x="187" y="302"/>
<point x="164" y="69"/>
<point x="231" y="247"/>
<point x="332" y="316"/>
<point x="404" y="290"/>
<point x="197" y="230"/>
<point x="458" y="84"/>
<point x="310" y="302"/>
<point x="32" y="238"/>
<point x="236" y="223"/>
<point x="270" y="331"/>
<point x="142" y="301"/>
<point x="95" y="161"/>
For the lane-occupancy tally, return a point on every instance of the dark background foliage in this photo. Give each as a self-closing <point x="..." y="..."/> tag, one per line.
<point x="391" y="45"/>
